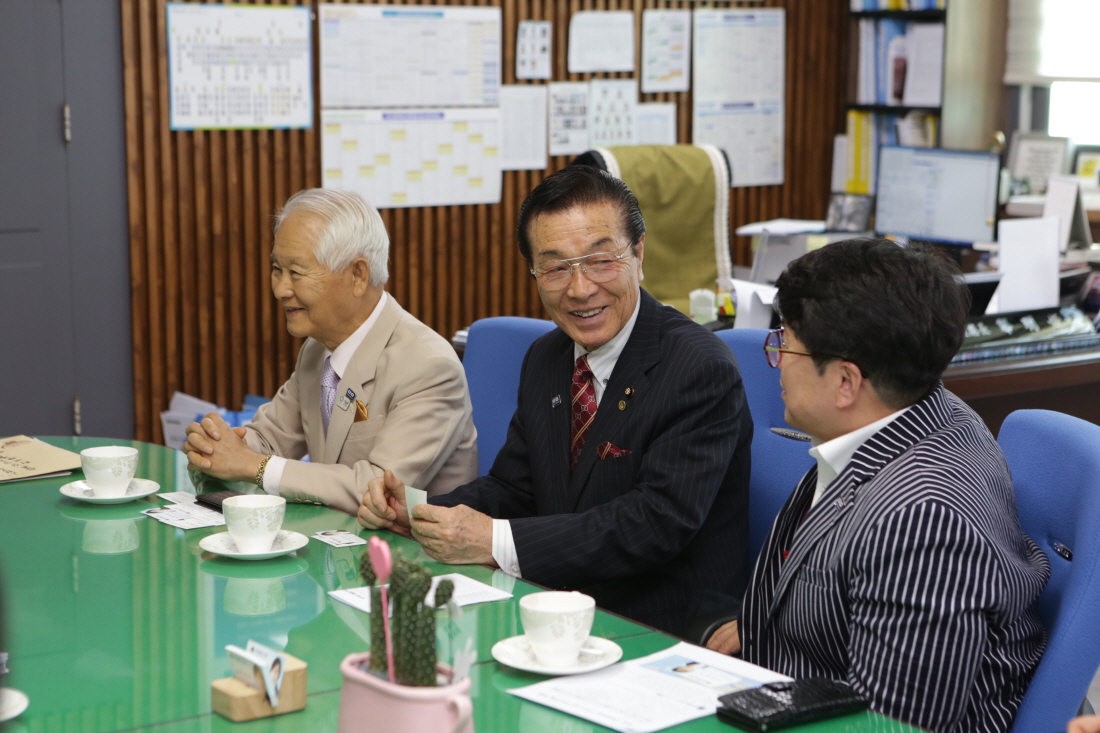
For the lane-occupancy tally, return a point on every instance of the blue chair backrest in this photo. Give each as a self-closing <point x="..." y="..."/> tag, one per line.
<point x="777" y="462"/>
<point x="1055" y="464"/>
<point x="495" y="348"/>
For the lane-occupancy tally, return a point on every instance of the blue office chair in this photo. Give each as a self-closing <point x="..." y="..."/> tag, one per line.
<point x="495" y="348"/>
<point x="777" y="462"/>
<point x="1055" y="464"/>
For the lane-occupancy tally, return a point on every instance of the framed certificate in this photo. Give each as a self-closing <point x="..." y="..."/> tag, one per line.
<point x="1035" y="157"/>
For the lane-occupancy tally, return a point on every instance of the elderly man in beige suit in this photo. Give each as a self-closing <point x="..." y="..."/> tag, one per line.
<point x="374" y="389"/>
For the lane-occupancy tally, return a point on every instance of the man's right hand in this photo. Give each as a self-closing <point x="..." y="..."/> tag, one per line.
<point x="725" y="639"/>
<point x="383" y="505"/>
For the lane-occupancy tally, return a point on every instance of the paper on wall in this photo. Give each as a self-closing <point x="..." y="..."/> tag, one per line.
<point x="611" y="104"/>
<point x="601" y="40"/>
<point x="568" y="118"/>
<point x="655" y="123"/>
<point x="666" y="50"/>
<point x="523" y="127"/>
<point x="534" y="42"/>
<point x="739" y="94"/>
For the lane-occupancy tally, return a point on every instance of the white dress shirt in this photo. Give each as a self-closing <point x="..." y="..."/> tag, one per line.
<point x="339" y="359"/>
<point x="834" y="455"/>
<point x="602" y="362"/>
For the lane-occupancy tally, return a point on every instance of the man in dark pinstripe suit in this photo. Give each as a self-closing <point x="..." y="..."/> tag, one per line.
<point x="898" y="563"/>
<point x="648" y="512"/>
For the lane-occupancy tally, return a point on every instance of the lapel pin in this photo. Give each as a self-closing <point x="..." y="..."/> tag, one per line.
<point x="629" y="392"/>
<point x="556" y="401"/>
<point x="345" y="399"/>
<point x="622" y="404"/>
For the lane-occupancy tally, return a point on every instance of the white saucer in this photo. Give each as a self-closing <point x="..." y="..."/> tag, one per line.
<point x="285" y="543"/>
<point x="138" y="488"/>
<point x="12" y="703"/>
<point x="597" y="653"/>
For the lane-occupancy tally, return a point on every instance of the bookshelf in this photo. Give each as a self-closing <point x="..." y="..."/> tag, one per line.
<point x="959" y="95"/>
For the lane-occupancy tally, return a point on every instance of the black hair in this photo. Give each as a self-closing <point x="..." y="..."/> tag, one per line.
<point x="899" y="313"/>
<point x="575" y="186"/>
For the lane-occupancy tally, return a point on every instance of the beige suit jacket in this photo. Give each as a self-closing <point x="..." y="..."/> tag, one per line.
<point x="419" y="425"/>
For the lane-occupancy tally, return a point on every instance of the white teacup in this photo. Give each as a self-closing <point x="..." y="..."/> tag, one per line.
<point x="557" y="624"/>
<point x="253" y="521"/>
<point x="109" y="469"/>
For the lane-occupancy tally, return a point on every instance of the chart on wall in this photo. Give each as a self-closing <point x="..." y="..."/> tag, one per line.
<point x="739" y="96"/>
<point x="239" y="66"/>
<point x="400" y="158"/>
<point x="410" y="56"/>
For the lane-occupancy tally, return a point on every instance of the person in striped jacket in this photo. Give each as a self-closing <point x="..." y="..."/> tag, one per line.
<point x="897" y="564"/>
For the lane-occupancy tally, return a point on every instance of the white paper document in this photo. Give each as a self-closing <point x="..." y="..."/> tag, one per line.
<point x="523" y="127"/>
<point x="666" y="50"/>
<point x="754" y="304"/>
<point x="239" y="66"/>
<point x="739" y="95"/>
<point x="568" y="118"/>
<point x="534" y="43"/>
<point x="781" y="227"/>
<point x="601" y="40"/>
<point x="467" y="592"/>
<point x="652" y="693"/>
<point x="1028" y="258"/>
<point x="413" y="157"/>
<point x="611" y="104"/>
<point x="924" y="65"/>
<point x="414" y="498"/>
<point x="655" y="123"/>
<point x="408" y="56"/>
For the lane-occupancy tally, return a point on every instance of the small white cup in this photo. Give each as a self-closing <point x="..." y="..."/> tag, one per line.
<point x="253" y="521"/>
<point x="557" y="624"/>
<point x="109" y="469"/>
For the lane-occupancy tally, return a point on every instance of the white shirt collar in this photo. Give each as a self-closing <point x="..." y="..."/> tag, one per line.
<point x="834" y="455"/>
<point x="342" y="356"/>
<point x="602" y="361"/>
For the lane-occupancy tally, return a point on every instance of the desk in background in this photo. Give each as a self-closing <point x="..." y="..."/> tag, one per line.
<point x="1068" y="383"/>
<point x="131" y="639"/>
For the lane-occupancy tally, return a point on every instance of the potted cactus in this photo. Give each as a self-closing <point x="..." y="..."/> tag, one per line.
<point x="418" y="695"/>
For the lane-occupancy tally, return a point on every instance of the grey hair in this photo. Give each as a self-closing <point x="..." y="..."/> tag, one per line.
<point x="352" y="229"/>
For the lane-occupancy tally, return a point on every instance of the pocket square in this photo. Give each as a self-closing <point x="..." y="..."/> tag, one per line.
<point x="361" y="412"/>
<point x="606" y="450"/>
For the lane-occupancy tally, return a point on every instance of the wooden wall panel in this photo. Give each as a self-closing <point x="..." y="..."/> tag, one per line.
<point x="201" y="206"/>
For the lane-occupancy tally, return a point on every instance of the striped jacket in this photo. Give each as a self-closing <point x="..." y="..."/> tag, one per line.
<point x="910" y="579"/>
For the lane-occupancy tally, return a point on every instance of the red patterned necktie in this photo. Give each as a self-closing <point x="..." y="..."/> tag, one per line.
<point x="584" y="408"/>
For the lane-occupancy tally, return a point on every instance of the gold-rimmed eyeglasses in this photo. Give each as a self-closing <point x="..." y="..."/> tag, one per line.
<point x="599" y="267"/>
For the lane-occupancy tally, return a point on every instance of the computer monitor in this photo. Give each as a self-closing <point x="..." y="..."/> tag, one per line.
<point x="939" y="195"/>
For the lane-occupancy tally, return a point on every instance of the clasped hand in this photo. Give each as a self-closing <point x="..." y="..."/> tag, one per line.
<point x="220" y="451"/>
<point x="455" y="535"/>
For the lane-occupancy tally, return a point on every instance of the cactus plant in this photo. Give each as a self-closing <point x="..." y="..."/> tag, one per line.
<point x="413" y="625"/>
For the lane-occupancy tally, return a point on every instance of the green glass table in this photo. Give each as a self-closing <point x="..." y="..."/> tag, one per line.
<point x="116" y="622"/>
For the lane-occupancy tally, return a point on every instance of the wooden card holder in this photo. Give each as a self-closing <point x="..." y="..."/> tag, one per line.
<point x="236" y="701"/>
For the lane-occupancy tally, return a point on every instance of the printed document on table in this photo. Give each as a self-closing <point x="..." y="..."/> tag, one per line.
<point x="413" y="157"/>
<point x="239" y="66"/>
<point x="666" y="45"/>
<point x="534" y="43"/>
<point x="601" y="40"/>
<point x="611" y="104"/>
<point x="409" y="56"/>
<point x="568" y="117"/>
<point x="523" y="127"/>
<point x="738" y="97"/>
<point x="655" y="123"/>
<point x="467" y="592"/>
<point x="652" y="693"/>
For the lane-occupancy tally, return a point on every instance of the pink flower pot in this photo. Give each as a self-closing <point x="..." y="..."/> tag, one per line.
<point x="370" y="704"/>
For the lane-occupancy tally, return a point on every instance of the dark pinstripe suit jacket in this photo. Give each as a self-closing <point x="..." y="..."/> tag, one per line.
<point x="658" y="535"/>
<point x="910" y="578"/>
